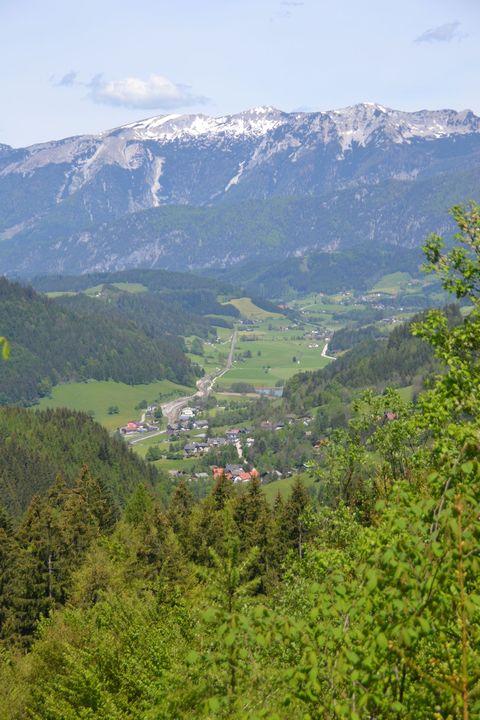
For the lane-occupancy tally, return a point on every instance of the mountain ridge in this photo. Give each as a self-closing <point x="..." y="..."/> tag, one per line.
<point x="69" y="191"/>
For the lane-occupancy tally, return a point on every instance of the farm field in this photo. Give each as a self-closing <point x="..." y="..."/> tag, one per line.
<point x="98" y="395"/>
<point x="274" y="357"/>
<point x="97" y="289"/>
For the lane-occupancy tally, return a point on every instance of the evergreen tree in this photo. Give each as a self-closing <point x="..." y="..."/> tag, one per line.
<point x="293" y="527"/>
<point x="180" y="515"/>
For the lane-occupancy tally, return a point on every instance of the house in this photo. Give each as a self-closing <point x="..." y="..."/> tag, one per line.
<point x="245" y="476"/>
<point x="216" y="441"/>
<point x="306" y="420"/>
<point x="267" y="477"/>
<point x="232" y="435"/>
<point x="190" y="449"/>
<point x="217" y="472"/>
<point x="232" y="471"/>
<point x="242" y="477"/>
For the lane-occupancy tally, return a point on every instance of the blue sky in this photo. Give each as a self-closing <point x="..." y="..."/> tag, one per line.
<point x="71" y="67"/>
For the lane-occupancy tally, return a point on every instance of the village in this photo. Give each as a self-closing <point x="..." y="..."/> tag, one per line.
<point x="194" y="447"/>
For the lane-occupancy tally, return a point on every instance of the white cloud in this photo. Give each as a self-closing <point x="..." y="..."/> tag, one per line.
<point x="157" y="92"/>
<point x="443" y="33"/>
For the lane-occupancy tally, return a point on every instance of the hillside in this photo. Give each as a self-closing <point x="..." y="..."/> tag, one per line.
<point x="385" y="217"/>
<point x="51" y="344"/>
<point x="398" y="360"/>
<point x="37" y="446"/>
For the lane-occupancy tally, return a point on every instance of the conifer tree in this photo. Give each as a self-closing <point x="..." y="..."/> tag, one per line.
<point x="139" y="504"/>
<point x="294" y="530"/>
<point x="180" y="514"/>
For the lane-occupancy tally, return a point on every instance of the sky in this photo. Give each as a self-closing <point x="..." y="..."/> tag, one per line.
<point x="71" y="67"/>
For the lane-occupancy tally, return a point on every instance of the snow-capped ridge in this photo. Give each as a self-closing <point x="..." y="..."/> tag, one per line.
<point x="254" y="138"/>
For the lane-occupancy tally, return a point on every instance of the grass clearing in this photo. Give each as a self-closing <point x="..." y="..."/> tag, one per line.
<point x="131" y="287"/>
<point x="123" y="286"/>
<point x="250" y="311"/>
<point x="393" y="283"/>
<point x="284" y="486"/>
<point x="166" y="465"/>
<point x="98" y="395"/>
<point x="406" y="393"/>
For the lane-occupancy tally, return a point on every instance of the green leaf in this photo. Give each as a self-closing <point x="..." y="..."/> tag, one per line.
<point x="372" y="580"/>
<point x="382" y="641"/>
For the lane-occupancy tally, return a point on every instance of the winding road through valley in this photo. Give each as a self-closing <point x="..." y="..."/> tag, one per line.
<point x="172" y="409"/>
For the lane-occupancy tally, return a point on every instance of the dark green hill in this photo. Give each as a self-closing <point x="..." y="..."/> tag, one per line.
<point x="357" y="268"/>
<point x="154" y="280"/>
<point x="36" y="446"/>
<point x="173" y="303"/>
<point x="398" y="360"/>
<point x="51" y="343"/>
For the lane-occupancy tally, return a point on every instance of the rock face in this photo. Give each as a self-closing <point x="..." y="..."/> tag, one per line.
<point x="71" y="193"/>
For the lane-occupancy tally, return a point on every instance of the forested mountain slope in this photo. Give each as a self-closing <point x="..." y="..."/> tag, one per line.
<point x="37" y="446"/>
<point x="397" y="360"/>
<point x="52" y="344"/>
<point x="393" y="213"/>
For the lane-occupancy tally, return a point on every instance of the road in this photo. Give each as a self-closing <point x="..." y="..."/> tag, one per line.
<point x="324" y="352"/>
<point x="171" y="410"/>
<point x="146" y="437"/>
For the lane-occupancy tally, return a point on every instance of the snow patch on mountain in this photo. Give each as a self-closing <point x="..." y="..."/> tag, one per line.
<point x="235" y="178"/>
<point x="255" y="122"/>
<point x="156" y="172"/>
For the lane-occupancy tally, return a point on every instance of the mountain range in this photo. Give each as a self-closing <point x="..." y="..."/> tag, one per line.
<point x="193" y="192"/>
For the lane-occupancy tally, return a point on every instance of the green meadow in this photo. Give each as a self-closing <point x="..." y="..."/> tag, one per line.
<point x="124" y="286"/>
<point x="284" y="486"/>
<point x="275" y="356"/>
<point x="392" y="283"/>
<point x="97" y="396"/>
<point x="250" y="311"/>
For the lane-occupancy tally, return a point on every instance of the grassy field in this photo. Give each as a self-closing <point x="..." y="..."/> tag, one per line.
<point x="166" y="465"/>
<point x="406" y="393"/>
<point x="250" y="311"/>
<point x="284" y="486"/>
<point x="392" y="283"/>
<point x="124" y="286"/>
<point x="272" y="358"/>
<point x="98" y="396"/>
<point x="142" y="446"/>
